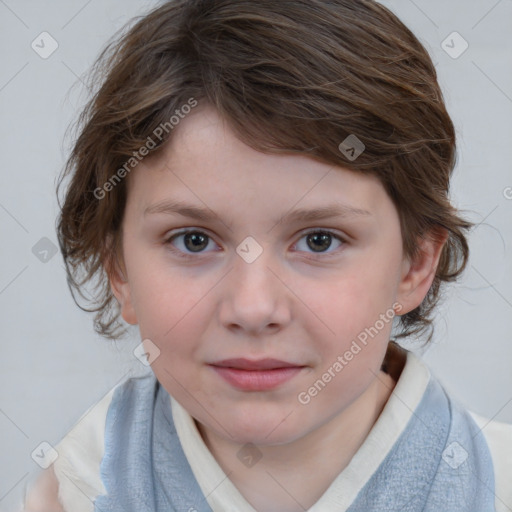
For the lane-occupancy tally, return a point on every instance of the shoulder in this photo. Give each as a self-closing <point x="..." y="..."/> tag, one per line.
<point x="73" y="480"/>
<point x="498" y="436"/>
<point x="77" y="467"/>
<point x="499" y="439"/>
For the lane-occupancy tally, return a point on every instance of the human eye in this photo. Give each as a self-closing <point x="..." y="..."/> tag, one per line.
<point x="187" y="242"/>
<point x="192" y="243"/>
<point x="318" y="240"/>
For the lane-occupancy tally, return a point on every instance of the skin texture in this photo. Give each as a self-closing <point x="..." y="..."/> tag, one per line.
<point x="292" y="303"/>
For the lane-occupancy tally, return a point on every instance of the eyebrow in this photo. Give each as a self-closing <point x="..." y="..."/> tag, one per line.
<point x="338" y="210"/>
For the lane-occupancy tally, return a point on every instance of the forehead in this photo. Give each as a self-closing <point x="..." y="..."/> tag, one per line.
<point x="205" y="163"/>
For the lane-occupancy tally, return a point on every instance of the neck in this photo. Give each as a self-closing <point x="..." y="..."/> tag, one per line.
<point x="283" y="479"/>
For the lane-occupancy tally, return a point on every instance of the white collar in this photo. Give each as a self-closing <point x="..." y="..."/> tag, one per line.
<point x="223" y="496"/>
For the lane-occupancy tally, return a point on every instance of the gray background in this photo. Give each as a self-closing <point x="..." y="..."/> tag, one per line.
<point x="53" y="367"/>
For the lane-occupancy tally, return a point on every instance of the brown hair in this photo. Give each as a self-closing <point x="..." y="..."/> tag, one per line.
<point x="293" y="76"/>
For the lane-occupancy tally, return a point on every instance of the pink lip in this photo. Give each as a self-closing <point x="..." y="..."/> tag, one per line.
<point x="260" y="364"/>
<point x="256" y="375"/>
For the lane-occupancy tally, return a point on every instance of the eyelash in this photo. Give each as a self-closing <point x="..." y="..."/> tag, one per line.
<point x="190" y="256"/>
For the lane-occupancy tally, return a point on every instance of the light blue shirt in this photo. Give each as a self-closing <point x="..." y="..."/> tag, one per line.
<point x="440" y="462"/>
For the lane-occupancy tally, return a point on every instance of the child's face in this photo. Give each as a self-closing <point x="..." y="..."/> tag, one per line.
<point x="303" y="300"/>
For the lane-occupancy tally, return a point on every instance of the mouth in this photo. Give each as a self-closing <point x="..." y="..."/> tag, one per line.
<point x="260" y="364"/>
<point x="260" y="375"/>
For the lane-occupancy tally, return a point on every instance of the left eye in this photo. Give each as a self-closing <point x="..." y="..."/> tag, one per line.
<point x="195" y="241"/>
<point x="320" y="240"/>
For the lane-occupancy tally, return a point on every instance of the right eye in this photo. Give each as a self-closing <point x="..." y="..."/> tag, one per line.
<point x="187" y="242"/>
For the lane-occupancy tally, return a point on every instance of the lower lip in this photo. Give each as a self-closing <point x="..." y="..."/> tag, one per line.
<point x="257" y="380"/>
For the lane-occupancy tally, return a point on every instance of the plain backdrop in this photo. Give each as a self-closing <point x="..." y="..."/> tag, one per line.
<point x="53" y="366"/>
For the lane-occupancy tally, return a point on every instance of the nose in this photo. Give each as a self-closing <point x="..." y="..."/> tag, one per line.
<point x="254" y="298"/>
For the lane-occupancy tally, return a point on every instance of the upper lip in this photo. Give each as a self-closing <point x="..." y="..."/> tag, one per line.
<point x="260" y="364"/>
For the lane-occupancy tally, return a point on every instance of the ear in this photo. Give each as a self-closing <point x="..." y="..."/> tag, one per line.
<point x="120" y="287"/>
<point x="418" y="274"/>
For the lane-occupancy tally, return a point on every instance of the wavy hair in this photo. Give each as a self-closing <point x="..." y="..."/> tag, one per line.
<point x="289" y="76"/>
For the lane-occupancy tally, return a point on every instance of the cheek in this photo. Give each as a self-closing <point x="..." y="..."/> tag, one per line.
<point x="354" y="318"/>
<point x="164" y="296"/>
<point x="349" y="304"/>
<point x="352" y="351"/>
<point x="170" y="312"/>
